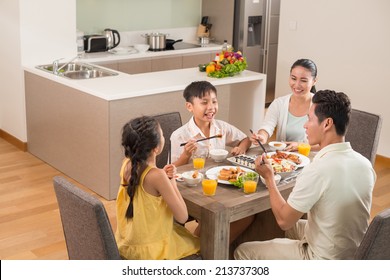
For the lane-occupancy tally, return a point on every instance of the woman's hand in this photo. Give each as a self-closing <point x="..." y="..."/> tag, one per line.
<point x="262" y="137"/>
<point x="291" y="146"/>
<point x="170" y="170"/>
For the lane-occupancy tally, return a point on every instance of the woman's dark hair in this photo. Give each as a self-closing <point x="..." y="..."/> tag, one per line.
<point x="309" y="65"/>
<point x="198" y="89"/>
<point x="139" y="137"/>
<point x="334" y="105"/>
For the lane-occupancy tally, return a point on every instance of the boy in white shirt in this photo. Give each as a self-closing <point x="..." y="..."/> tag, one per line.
<point x="201" y="101"/>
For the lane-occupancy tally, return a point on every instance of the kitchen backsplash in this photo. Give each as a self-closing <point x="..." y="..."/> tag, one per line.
<point x="132" y="15"/>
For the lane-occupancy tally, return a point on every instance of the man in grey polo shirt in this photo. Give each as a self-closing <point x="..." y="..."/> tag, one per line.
<point x="335" y="190"/>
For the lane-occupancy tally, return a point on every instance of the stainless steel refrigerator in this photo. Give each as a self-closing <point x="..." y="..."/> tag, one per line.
<point x="251" y="26"/>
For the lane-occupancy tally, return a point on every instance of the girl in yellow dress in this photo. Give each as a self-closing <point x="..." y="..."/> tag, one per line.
<point x="148" y="199"/>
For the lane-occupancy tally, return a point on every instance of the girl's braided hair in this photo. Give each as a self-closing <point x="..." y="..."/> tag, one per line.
<point x="139" y="137"/>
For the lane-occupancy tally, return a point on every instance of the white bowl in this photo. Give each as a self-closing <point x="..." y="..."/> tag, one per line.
<point x="277" y="145"/>
<point x="277" y="179"/>
<point x="191" y="181"/>
<point x="218" y="155"/>
<point x="141" y="47"/>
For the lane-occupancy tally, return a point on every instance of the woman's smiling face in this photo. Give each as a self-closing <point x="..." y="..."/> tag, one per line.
<point x="301" y="80"/>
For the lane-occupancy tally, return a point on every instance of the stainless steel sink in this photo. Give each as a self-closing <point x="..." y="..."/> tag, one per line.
<point x="76" y="70"/>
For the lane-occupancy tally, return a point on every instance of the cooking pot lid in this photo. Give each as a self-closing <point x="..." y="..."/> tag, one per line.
<point x="155" y="34"/>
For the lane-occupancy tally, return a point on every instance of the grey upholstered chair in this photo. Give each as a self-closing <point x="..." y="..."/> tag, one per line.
<point x="363" y="133"/>
<point x="169" y="122"/>
<point x="376" y="242"/>
<point x="87" y="230"/>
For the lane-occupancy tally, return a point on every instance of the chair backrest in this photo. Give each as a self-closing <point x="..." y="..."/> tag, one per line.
<point x="169" y="122"/>
<point x="376" y="242"/>
<point x="363" y="133"/>
<point x="87" y="229"/>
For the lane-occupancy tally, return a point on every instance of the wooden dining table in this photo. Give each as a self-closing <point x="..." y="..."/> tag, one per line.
<point x="230" y="204"/>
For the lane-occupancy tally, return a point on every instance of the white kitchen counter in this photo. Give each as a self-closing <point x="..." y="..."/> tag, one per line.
<point x="127" y="86"/>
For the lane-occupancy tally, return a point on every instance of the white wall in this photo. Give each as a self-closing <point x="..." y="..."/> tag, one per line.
<point x="350" y="42"/>
<point x="32" y="32"/>
<point x="12" y="116"/>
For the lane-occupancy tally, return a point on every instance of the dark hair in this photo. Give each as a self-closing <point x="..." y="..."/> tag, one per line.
<point x="139" y="137"/>
<point x="309" y="65"/>
<point x="335" y="105"/>
<point x="198" y="89"/>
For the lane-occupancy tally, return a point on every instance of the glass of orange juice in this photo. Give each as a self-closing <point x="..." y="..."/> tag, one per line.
<point x="250" y="180"/>
<point x="199" y="158"/>
<point x="209" y="185"/>
<point x="304" y="149"/>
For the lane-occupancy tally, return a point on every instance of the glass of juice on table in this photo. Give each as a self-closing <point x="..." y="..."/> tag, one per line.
<point x="250" y="180"/>
<point x="209" y="185"/>
<point x="199" y="158"/>
<point x="304" y="149"/>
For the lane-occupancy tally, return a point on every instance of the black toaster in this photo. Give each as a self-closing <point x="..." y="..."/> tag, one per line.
<point x="95" y="43"/>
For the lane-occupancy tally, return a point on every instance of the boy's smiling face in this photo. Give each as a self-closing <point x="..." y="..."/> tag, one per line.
<point x="204" y="109"/>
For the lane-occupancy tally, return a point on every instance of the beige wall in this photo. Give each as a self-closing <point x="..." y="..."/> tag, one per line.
<point x="350" y="42"/>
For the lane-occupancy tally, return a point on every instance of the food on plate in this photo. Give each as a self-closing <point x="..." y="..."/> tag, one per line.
<point x="245" y="161"/>
<point x="195" y="174"/>
<point x="278" y="156"/>
<point x="229" y="174"/>
<point x="282" y="165"/>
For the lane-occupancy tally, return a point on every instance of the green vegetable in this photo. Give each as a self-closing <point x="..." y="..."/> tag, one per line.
<point x="239" y="183"/>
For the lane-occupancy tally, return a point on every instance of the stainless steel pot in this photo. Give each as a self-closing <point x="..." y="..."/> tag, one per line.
<point x="156" y="41"/>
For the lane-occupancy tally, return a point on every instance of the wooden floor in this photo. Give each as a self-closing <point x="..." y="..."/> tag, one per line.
<point x="30" y="225"/>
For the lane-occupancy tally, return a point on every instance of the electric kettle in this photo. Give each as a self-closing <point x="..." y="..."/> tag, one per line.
<point x="113" y="38"/>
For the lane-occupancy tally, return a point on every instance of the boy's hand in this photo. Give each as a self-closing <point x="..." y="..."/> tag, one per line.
<point x="190" y="147"/>
<point x="237" y="151"/>
<point x="170" y="170"/>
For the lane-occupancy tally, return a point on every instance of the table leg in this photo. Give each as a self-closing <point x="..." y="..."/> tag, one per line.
<point x="214" y="232"/>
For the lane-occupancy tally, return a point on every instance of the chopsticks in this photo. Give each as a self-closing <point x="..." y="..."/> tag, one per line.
<point x="203" y="139"/>
<point x="261" y="145"/>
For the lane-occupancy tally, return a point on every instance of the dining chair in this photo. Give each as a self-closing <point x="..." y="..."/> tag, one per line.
<point x="363" y="133"/>
<point x="376" y="241"/>
<point x="169" y="122"/>
<point x="87" y="229"/>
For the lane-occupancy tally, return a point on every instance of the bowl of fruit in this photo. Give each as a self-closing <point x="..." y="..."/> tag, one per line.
<point x="225" y="64"/>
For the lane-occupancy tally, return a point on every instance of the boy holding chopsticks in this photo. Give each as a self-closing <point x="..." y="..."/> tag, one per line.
<point x="201" y="101"/>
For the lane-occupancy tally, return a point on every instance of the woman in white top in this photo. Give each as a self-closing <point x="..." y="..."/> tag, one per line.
<point x="289" y="113"/>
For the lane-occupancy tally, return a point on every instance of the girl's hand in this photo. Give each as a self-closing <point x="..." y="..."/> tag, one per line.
<point x="170" y="170"/>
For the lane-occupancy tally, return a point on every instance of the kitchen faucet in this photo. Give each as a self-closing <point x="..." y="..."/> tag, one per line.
<point x="56" y="70"/>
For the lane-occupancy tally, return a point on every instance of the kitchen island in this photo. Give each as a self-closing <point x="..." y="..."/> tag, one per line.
<point x="75" y="125"/>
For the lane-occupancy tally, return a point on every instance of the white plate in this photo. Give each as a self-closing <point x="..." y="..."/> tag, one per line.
<point x="215" y="171"/>
<point x="123" y="51"/>
<point x="304" y="160"/>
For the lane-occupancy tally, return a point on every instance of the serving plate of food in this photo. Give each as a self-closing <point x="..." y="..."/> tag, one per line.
<point x="243" y="160"/>
<point x="296" y="158"/>
<point x="283" y="163"/>
<point x="228" y="175"/>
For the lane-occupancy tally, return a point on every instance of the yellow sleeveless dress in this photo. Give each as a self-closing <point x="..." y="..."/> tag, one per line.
<point x="151" y="234"/>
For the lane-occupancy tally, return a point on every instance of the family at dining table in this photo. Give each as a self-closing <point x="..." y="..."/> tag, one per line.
<point x="335" y="190"/>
